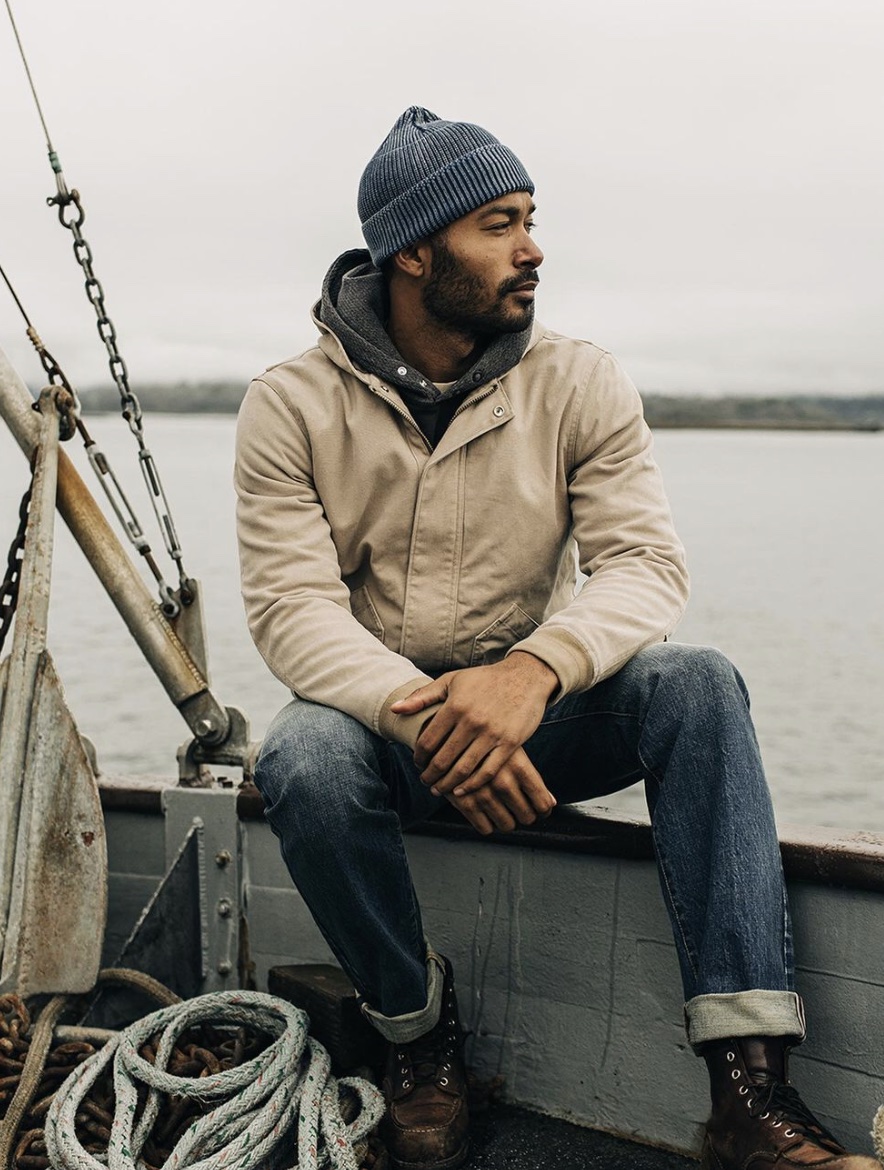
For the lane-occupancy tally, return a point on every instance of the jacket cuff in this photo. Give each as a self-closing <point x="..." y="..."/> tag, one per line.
<point x="404" y="728"/>
<point x="564" y="654"/>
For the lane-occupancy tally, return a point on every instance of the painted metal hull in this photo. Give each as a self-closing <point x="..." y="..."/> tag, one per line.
<point x="566" y="969"/>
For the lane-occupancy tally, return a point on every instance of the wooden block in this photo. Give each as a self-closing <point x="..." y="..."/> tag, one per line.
<point x="328" y="997"/>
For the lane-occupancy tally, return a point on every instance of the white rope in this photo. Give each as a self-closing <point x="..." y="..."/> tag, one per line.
<point x="261" y="1105"/>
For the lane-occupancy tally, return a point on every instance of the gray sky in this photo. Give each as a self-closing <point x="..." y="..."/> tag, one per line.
<point x="710" y="174"/>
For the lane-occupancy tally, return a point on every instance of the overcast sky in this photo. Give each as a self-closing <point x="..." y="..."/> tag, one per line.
<point x="710" y="173"/>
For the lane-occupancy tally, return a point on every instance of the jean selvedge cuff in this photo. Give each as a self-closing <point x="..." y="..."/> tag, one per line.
<point x="403" y="1029"/>
<point x="744" y="1013"/>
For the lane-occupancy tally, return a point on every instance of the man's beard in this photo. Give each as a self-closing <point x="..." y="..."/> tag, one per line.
<point x="460" y="300"/>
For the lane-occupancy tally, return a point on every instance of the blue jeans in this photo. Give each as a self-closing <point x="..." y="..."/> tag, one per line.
<point x="337" y="796"/>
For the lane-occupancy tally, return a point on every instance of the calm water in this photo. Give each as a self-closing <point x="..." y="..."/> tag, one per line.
<point x="784" y="542"/>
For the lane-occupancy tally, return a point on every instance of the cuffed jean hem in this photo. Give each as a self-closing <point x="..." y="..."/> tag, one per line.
<point x="743" y="1013"/>
<point x="403" y="1029"/>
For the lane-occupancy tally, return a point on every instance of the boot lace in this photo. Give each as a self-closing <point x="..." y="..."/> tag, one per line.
<point x="431" y="1055"/>
<point x="783" y="1101"/>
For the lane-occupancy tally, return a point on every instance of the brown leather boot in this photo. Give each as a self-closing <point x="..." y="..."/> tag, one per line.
<point x="758" y="1120"/>
<point x="427" y="1119"/>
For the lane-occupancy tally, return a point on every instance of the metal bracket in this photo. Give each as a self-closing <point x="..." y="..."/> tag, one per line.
<point x="236" y="750"/>
<point x="190" y="625"/>
<point x="213" y="811"/>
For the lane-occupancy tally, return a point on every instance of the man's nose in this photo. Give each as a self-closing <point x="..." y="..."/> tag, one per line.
<point x="529" y="254"/>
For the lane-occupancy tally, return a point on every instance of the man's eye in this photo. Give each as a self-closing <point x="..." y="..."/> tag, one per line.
<point x="530" y="226"/>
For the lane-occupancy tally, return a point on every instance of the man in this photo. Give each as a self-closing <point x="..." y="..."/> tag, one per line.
<point x="410" y="494"/>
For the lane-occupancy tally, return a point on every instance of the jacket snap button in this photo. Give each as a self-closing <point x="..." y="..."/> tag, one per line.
<point x="402" y="371"/>
<point x="498" y="411"/>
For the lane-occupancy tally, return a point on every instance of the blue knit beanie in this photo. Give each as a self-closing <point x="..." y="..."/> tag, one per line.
<point x="426" y="174"/>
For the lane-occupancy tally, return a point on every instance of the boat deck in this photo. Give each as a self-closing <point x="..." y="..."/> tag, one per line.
<point x="509" y="1138"/>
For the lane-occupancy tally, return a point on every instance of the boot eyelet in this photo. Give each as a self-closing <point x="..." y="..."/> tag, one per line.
<point x="735" y="1073"/>
<point x="789" y="1133"/>
<point x="743" y="1090"/>
<point x="731" y="1056"/>
<point x="777" y="1124"/>
<point x="443" y="1081"/>
<point x="446" y="1067"/>
<point x="403" y="1070"/>
<point x="764" y="1117"/>
<point x="406" y="1084"/>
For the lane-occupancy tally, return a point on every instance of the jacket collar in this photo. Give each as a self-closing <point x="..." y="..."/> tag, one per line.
<point x="350" y="320"/>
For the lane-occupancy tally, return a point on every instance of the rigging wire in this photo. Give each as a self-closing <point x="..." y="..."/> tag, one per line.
<point x="130" y="406"/>
<point x="100" y="464"/>
<point x="28" y="72"/>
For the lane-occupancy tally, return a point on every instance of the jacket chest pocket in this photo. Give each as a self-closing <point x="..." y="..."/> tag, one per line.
<point x="362" y="608"/>
<point x="492" y="644"/>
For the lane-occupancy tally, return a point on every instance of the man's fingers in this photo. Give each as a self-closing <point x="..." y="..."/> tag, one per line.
<point x="533" y="788"/>
<point x="495" y="810"/>
<point x="475" y="816"/>
<point x="432" y="737"/>
<point x="508" y="773"/>
<point x="506" y="789"/>
<point x="420" y="699"/>
<point x="459" y="760"/>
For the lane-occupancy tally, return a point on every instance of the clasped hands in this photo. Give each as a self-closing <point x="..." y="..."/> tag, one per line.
<point x="470" y="751"/>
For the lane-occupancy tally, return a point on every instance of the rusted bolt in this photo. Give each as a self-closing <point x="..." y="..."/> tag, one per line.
<point x="225" y="967"/>
<point x="223" y="858"/>
<point x="225" y="909"/>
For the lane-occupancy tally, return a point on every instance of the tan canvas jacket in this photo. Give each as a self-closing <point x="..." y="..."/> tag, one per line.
<point x="371" y="562"/>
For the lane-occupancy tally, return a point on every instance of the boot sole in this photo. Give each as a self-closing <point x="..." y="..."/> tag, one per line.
<point x="456" y="1159"/>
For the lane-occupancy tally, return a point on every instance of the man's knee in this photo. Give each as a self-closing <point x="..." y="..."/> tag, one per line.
<point x="699" y="674"/>
<point x="311" y="752"/>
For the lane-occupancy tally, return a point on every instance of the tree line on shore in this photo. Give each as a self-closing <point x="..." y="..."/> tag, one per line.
<point x="770" y="411"/>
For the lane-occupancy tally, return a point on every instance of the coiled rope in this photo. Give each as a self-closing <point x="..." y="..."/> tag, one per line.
<point x="41" y="1042"/>
<point x="261" y="1105"/>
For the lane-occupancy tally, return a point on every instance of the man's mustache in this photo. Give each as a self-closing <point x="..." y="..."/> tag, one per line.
<point x="513" y="283"/>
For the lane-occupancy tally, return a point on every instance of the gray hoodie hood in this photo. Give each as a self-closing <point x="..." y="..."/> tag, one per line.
<point x="354" y="307"/>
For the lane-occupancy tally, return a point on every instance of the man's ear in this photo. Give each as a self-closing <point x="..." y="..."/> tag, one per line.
<point x="414" y="260"/>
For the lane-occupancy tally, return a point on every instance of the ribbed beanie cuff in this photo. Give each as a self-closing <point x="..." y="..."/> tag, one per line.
<point x="428" y="173"/>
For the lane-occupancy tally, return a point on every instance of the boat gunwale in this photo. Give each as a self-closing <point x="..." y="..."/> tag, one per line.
<point x="811" y="853"/>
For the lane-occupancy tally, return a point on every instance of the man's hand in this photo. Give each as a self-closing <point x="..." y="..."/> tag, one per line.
<point x="516" y="794"/>
<point x="487" y="713"/>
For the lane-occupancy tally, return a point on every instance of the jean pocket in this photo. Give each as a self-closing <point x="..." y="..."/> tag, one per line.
<point x="492" y="644"/>
<point x="362" y="608"/>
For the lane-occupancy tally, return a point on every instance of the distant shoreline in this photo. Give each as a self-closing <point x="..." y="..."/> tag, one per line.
<point x="804" y="412"/>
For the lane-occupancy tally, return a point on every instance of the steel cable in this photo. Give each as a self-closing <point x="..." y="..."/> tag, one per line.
<point x="281" y="1109"/>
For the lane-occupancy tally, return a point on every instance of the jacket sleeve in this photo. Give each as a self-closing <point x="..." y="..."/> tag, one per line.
<point x="297" y="604"/>
<point x="637" y="584"/>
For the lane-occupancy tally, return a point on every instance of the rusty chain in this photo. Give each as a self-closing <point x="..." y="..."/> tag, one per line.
<point x="72" y="215"/>
<point x="69" y="422"/>
<point x="9" y="588"/>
